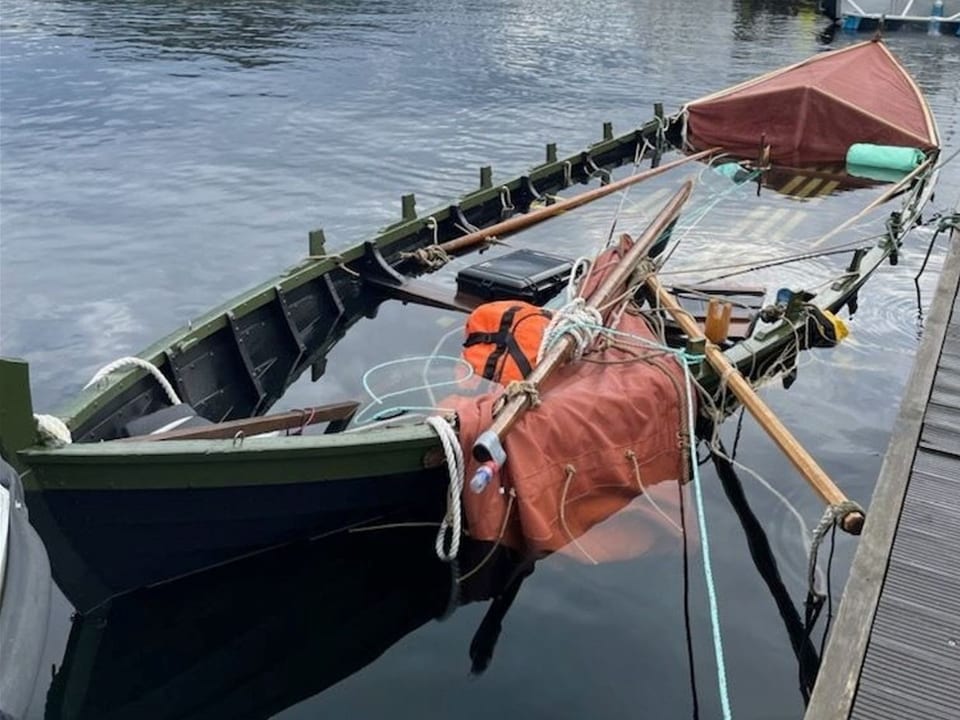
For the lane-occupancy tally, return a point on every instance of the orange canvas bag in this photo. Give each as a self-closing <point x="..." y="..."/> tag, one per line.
<point x="502" y="339"/>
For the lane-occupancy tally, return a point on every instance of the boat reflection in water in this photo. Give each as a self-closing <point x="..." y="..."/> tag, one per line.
<point x="256" y="635"/>
<point x="251" y="637"/>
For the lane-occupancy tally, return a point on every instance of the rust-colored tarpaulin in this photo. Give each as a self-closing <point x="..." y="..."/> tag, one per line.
<point x="815" y="110"/>
<point x="607" y="426"/>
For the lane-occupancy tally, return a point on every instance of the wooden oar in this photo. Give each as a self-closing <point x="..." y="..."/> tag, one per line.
<point x="890" y="192"/>
<point x="488" y="446"/>
<point x="521" y="222"/>
<point x="802" y="460"/>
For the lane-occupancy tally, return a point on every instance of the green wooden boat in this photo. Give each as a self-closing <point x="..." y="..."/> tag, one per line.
<point x="119" y="512"/>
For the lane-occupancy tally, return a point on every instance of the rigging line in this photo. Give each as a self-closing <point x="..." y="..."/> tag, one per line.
<point x="949" y="158"/>
<point x="943" y="223"/>
<point x="715" y="413"/>
<point x="698" y="215"/>
<point x="705" y="547"/>
<point x="638" y="158"/>
<point x="926" y="258"/>
<point x="686" y="606"/>
<point x="848" y="246"/>
<point x="429" y="361"/>
<point x="775" y="263"/>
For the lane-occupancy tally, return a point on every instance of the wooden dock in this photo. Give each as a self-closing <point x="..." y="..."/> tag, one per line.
<point x="894" y="652"/>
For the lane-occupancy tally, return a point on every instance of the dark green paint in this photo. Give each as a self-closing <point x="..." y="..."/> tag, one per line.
<point x="17" y="427"/>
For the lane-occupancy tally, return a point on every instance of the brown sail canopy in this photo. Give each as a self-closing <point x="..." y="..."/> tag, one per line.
<point x="609" y="428"/>
<point x="815" y="110"/>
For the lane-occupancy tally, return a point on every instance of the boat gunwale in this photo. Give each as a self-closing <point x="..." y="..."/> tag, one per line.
<point x="82" y="407"/>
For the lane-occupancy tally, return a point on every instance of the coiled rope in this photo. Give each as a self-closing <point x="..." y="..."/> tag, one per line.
<point x="453" y="520"/>
<point x="52" y="430"/>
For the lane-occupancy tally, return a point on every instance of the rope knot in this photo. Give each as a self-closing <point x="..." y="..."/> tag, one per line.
<point x="577" y="320"/>
<point x="432" y="257"/>
<point x="516" y="389"/>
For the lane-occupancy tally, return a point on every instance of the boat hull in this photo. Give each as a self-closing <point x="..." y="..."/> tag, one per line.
<point x="25" y="589"/>
<point x="104" y="542"/>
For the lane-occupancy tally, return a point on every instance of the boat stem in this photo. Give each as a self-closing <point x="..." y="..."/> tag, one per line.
<point x="852" y="521"/>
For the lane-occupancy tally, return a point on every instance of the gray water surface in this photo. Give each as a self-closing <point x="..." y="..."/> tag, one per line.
<point x="159" y="157"/>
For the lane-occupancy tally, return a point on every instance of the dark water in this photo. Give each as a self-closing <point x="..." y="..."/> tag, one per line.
<point x="159" y="157"/>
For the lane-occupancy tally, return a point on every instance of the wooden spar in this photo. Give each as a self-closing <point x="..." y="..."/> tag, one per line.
<point x="521" y="222"/>
<point x="890" y="192"/>
<point x="852" y="522"/>
<point x="488" y="445"/>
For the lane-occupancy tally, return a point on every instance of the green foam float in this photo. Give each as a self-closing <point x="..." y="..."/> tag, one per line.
<point x="886" y="163"/>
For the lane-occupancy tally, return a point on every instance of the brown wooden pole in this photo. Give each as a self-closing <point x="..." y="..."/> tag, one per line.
<point x="801" y="459"/>
<point x="521" y="222"/>
<point x="558" y="355"/>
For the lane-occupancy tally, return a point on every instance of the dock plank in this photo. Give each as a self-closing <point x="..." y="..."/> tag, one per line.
<point x="894" y="652"/>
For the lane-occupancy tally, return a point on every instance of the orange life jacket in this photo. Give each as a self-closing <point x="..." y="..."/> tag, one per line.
<point x="502" y="339"/>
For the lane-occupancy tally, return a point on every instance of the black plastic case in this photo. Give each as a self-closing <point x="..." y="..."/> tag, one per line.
<point x="521" y="275"/>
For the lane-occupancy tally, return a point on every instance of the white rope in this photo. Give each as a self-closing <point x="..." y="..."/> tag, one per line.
<point x="452" y="521"/>
<point x="53" y="431"/>
<point x="140" y="363"/>
<point x="832" y="515"/>
<point x="576" y="319"/>
<point x="578" y="273"/>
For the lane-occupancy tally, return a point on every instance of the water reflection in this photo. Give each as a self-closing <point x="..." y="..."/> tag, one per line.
<point x="257" y="635"/>
<point x="236" y="32"/>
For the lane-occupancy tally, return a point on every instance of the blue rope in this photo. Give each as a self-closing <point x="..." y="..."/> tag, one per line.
<point x="707" y="565"/>
<point x="360" y="418"/>
<point x="686" y="359"/>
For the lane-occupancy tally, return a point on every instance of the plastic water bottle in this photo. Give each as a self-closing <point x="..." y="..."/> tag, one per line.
<point x="936" y="12"/>
<point x="482" y="477"/>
